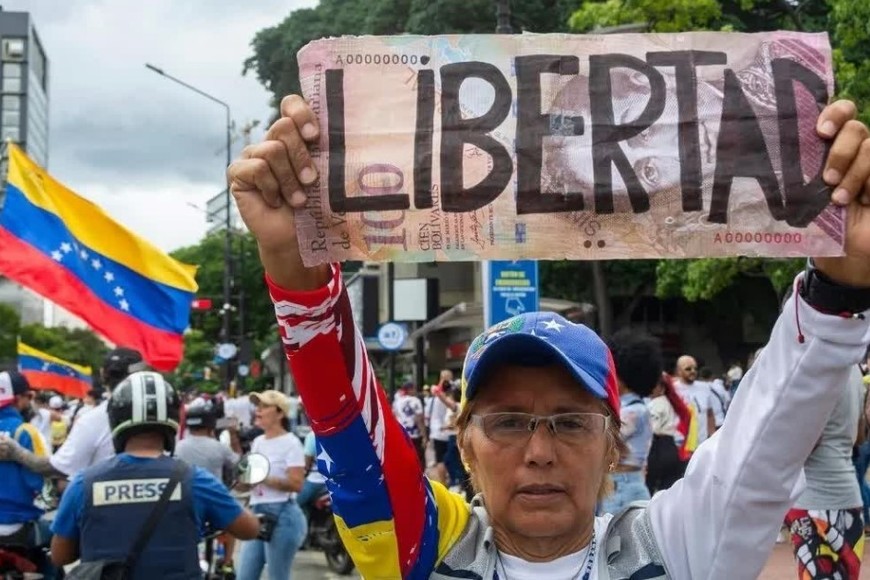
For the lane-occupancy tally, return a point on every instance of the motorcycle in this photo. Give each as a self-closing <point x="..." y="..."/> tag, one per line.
<point x="20" y="559"/>
<point x="252" y="469"/>
<point x="323" y="535"/>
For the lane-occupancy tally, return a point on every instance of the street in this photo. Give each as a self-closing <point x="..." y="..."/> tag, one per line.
<point x="312" y="566"/>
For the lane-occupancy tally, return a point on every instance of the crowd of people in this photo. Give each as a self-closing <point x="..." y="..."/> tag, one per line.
<point x="134" y="430"/>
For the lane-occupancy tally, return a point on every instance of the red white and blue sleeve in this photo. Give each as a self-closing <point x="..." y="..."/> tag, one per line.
<point x="394" y="522"/>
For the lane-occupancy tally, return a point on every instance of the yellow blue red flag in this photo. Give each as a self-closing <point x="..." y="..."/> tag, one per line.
<point x="69" y="250"/>
<point x="50" y="373"/>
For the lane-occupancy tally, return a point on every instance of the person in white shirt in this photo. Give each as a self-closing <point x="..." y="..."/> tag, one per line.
<point x="438" y="435"/>
<point x="696" y="394"/>
<point x="42" y="416"/>
<point x="90" y="439"/>
<point x="720" y="397"/>
<point x="408" y="409"/>
<point x="275" y="498"/>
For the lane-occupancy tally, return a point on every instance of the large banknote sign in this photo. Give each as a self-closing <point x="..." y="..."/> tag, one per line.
<point x="556" y="146"/>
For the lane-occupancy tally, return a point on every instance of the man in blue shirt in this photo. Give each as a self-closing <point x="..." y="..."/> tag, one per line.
<point x="106" y="505"/>
<point x="19" y="485"/>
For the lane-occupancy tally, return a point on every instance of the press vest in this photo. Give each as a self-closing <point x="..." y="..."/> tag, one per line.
<point x="120" y="493"/>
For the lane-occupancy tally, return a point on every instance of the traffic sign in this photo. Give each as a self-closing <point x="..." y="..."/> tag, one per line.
<point x="392" y="335"/>
<point x="511" y="289"/>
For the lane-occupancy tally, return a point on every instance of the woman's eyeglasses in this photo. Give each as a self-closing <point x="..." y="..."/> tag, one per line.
<point x="517" y="428"/>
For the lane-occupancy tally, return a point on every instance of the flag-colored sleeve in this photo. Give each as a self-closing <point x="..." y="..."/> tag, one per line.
<point x="394" y="522"/>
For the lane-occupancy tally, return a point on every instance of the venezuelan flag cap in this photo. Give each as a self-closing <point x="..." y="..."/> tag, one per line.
<point x="541" y="339"/>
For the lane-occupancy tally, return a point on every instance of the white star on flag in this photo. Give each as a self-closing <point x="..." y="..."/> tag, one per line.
<point x="96" y="264"/>
<point x="553" y="325"/>
<point x="84" y="254"/>
<point x="119" y="291"/>
<point x="109" y="277"/>
<point x="326" y="459"/>
<point x="65" y="248"/>
<point x="56" y="256"/>
<point x="44" y="366"/>
<point x="125" y="306"/>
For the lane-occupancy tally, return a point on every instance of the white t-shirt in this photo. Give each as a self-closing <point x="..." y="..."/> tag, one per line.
<point x="699" y="395"/>
<point x="283" y="452"/>
<point x="42" y="421"/>
<point x="89" y="442"/>
<point x="568" y="567"/>
<point x="406" y="408"/>
<point x="240" y="408"/>
<point x="437" y="421"/>
<point x="663" y="417"/>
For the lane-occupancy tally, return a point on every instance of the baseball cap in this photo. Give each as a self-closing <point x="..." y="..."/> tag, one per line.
<point x="12" y="384"/>
<point x="541" y="339"/>
<point x="56" y="402"/>
<point x="272" y="398"/>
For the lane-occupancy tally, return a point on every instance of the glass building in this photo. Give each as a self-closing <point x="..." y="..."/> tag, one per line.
<point x="24" y="72"/>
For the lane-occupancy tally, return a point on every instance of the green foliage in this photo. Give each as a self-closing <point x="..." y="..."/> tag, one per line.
<point x="274" y="59"/>
<point x="706" y="278"/>
<point x="658" y="15"/>
<point x="10" y="324"/>
<point x="79" y="345"/>
<point x="572" y="280"/>
<point x="208" y="254"/>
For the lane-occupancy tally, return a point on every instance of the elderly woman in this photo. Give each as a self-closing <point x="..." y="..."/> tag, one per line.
<point x="539" y="426"/>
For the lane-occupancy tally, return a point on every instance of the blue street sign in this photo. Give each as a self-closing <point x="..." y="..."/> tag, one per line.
<point x="511" y="288"/>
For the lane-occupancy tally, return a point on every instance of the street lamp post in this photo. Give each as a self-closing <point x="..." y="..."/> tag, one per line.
<point x="227" y="282"/>
<point x="503" y="17"/>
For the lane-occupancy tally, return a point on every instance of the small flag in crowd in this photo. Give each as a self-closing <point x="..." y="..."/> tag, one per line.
<point x="50" y="373"/>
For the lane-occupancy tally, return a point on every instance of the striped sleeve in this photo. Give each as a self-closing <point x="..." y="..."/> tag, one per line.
<point x="394" y="522"/>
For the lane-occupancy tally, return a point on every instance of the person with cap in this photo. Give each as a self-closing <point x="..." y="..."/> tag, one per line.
<point x="275" y="498"/>
<point x="20" y="518"/>
<point x="106" y="506"/>
<point x="90" y="439"/>
<point x="539" y="421"/>
<point x="202" y="449"/>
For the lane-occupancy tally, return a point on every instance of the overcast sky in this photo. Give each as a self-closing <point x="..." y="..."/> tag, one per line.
<point x="141" y="146"/>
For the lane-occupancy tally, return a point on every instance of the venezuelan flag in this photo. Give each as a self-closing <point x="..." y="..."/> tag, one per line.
<point x="50" y="373"/>
<point x="67" y="249"/>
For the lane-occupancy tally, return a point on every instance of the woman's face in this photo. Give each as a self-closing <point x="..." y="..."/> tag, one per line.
<point x="267" y="416"/>
<point x="545" y="487"/>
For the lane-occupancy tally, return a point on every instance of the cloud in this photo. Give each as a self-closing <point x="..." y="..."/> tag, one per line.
<point x="132" y="141"/>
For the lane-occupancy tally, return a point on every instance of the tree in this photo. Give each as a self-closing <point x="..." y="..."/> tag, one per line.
<point x="274" y="59"/>
<point x="10" y="325"/>
<point x="249" y="284"/>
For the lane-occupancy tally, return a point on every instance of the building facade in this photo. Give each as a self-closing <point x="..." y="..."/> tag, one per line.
<point x="24" y="86"/>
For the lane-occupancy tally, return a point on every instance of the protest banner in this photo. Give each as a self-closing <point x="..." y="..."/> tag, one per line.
<point x="564" y="146"/>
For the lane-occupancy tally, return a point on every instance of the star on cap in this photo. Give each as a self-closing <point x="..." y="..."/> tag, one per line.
<point x="552" y="324"/>
<point x="109" y="277"/>
<point x="84" y="254"/>
<point x="57" y="256"/>
<point x="125" y="306"/>
<point x="119" y="291"/>
<point x="96" y="264"/>
<point x="66" y="248"/>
